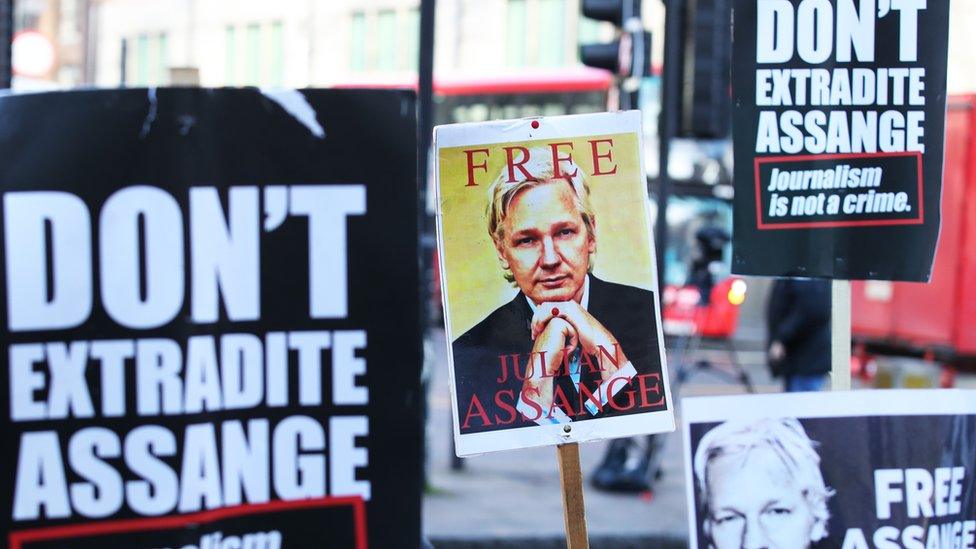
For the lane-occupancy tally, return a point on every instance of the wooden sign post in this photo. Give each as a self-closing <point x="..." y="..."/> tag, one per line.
<point x="840" y="335"/>
<point x="574" y="512"/>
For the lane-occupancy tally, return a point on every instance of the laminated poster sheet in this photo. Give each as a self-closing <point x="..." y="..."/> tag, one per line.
<point x="853" y="469"/>
<point x="550" y="293"/>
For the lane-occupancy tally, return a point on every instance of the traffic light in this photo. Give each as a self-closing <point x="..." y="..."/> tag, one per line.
<point x="628" y="55"/>
<point x="706" y="104"/>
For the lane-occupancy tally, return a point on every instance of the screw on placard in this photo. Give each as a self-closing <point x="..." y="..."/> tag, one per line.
<point x="567" y="428"/>
<point x="535" y="124"/>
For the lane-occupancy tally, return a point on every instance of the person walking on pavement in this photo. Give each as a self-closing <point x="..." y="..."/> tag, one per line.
<point x="798" y="319"/>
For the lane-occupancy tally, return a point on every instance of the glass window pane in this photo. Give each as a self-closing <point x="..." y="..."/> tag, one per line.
<point x="515" y="34"/>
<point x="411" y="41"/>
<point x="277" y="64"/>
<point x="386" y="40"/>
<point x="230" y="57"/>
<point x="552" y="34"/>
<point x="357" y="58"/>
<point x="553" y="109"/>
<point x="478" y="113"/>
<point x="253" y="55"/>
<point x="141" y="68"/>
<point x="160" y="64"/>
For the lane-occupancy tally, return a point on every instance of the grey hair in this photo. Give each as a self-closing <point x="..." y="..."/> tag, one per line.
<point x="542" y="170"/>
<point x="787" y="439"/>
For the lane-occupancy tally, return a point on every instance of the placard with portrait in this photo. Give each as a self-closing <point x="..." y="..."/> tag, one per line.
<point x="848" y="469"/>
<point x="548" y="275"/>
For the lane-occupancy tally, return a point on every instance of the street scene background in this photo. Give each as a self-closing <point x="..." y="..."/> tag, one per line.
<point x="494" y="59"/>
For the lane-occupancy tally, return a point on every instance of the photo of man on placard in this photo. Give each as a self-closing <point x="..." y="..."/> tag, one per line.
<point x="759" y="485"/>
<point x="569" y="346"/>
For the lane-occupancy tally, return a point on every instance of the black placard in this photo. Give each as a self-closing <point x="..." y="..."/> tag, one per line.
<point x="845" y="469"/>
<point x="838" y="124"/>
<point x="877" y="470"/>
<point x="210" y="322"/>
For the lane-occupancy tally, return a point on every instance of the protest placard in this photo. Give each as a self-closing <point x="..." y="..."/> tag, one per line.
<point x="551" y="304"/>
<point x="210" y="324"/>
<point x="851" y="469"/>
<point x="838" y="125"/>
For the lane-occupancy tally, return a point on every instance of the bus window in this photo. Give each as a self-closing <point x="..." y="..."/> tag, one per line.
<point x="553" y="109"/>
<point x="476" y="102"/>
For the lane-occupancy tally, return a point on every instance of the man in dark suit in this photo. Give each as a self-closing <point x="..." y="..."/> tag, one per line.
<point x="569" y="346"/>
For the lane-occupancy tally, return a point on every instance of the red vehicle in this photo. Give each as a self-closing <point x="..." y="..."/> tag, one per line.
<point x="936" y="321"/>
<point x="498" y="97"/>
<point x="683" y="313"/>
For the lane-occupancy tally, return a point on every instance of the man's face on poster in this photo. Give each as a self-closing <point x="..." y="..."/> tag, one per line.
<point x="754" y="502"/>
<point x="545" y="243"/>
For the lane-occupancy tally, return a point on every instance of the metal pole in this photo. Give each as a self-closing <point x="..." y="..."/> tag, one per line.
<point x="634" y="27"/>
<point x="425" y="89"/>
<point x="425" y="125"/>
<point x="89" y="34"/>
<point x="667" y="122"/>
<point x="123" y="62"/>
<point x="6" y="42"/>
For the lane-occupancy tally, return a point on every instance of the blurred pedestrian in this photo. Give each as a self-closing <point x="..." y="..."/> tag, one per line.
<point x="708" y="261"/>
<point x="798" y="321"/>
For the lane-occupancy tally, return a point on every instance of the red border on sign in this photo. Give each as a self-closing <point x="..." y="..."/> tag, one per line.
<point x="759" y="160"/>
<point x="18" y="538"/>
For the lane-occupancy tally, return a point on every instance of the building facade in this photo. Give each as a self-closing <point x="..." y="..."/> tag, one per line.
<point x="298" y="43"/>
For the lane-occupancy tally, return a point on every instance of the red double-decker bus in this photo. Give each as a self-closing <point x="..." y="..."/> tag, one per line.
<point x="505" y="97"/>
<point x="498" y="97"/>
<point x="936" y="321"/>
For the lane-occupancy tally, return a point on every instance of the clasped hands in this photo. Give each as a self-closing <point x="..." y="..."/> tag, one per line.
<point x="558" y="328"/>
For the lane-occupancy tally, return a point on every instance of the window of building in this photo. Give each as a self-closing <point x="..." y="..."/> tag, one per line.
<point x="357" y="49"/>
<point x="159" y="65"/>
<point x="230" y="56"/>
<point x="386" y="40"/>
<point x="277" y="64"/>
<point x="252" y="55"/>
<point x="140" y="69"/>
<point x="411" y="57"/>
<point x="515" y="43"/>
<point x="552" y="34"/>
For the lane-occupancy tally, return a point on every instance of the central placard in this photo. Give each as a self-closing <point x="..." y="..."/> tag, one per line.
<point x="550" y="289"/>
